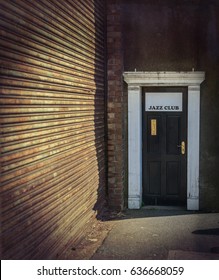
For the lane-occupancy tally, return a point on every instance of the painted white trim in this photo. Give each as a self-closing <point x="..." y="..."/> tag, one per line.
<point x="193" y="147"/>
<point x="164" y="78"/>
<point x="135" y="81"/>
<point x="134" y="148"/>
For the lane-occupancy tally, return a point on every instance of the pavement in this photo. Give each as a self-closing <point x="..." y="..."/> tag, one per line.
<point x="161" y="233"/>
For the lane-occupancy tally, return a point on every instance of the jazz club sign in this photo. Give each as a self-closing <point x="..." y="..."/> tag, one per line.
<point x="163" y="102"/>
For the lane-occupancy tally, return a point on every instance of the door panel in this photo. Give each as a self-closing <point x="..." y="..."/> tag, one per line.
<point x="173" y="177"/>
<point x="154" y="141"/>
<point x="164" y="166"/>
<point x="172" y="134"/>
<point x="154" y="178"/>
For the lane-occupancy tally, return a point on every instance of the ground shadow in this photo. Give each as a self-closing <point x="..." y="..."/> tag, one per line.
<point x="211" y="231"/>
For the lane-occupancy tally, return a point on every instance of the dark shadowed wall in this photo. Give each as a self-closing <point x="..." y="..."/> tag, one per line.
<point x="173" y="35"/>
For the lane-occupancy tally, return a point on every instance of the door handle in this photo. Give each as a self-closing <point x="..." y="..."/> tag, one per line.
<point x="183" y="147"/>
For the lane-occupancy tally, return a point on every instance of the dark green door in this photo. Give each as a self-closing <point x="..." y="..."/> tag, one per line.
<point x="164" y="145"/>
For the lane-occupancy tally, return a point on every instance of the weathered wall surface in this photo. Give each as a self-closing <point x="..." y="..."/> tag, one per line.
<point x="160" y="35"/>
<point x="209" y="61"/>
<point x="52" y="124"/>
<point x="172" y="35"/>
<point x="115" y="106"/>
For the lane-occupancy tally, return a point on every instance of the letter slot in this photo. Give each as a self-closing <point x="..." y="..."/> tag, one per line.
<point x="153" y="127"/>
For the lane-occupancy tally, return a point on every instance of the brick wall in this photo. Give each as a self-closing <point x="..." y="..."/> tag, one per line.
<point x="115" y="107"/>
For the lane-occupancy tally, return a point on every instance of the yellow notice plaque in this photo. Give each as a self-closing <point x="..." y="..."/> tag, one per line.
<point x="153" y="127"/>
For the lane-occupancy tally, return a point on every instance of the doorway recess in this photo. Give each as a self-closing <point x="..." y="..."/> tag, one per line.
<point x="137" y="80"/>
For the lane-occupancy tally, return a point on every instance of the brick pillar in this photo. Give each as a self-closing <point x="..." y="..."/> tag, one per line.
<point x="115" y="114"/>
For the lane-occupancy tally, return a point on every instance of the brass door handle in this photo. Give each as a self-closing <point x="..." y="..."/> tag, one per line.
<point x="183" y="147"/>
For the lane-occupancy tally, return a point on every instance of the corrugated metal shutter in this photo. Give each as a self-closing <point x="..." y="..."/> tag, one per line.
<point x="52" y="123"/>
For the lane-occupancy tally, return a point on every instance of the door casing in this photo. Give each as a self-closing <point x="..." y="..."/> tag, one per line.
<point x="136" y="80"/>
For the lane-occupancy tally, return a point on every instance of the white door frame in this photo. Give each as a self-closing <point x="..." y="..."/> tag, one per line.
<point x="137" y="80"/>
